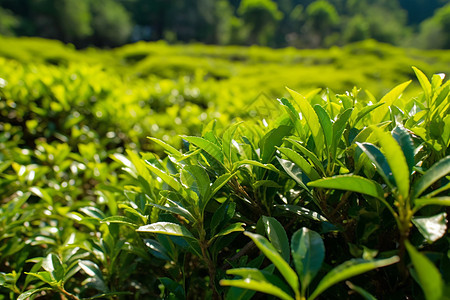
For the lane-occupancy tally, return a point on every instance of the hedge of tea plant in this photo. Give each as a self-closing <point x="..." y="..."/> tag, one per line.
<point x="334" y="197"/>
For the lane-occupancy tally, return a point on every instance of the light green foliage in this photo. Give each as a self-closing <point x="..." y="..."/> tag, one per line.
<point x="326" y="186"/>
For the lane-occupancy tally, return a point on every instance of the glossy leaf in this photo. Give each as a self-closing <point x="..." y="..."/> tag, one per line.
<point x="173" y="287"/>
<point x="302" y="211"/>
<point x="403" y="138"/>
<point x="165" y="177"/>
<point x="349" y="269"/>
<point x="27" y="294"/>
<point x="311" y="119"/>
<point x="168" y="148"/>
<point x="227" y="139"/>
<point x="339" y="127"/>
<point x="259" y="286"/>
<point x="396" y="159"/>
<point x="352" y="183"/>
<point x="120" y="220"/>
<point x="277" y="236"/>
<point x="195" y="178"/>
<point x="308" y="253"/>
<point x="444" y="201"/>
<point x="256" y="164"/>
<point x="429" y="277"/>
<point x="210" y="148"/>
<point x="300" y="162"/>
<point x="432" y="228"/>
<point x="166" y="228"/>
<point x="294" y="172"/>
<point x="311" y="156"/>
<point x="272" y="254"/>
<point x="52" y="264"/>
<point x="379" y="114"/>
<point x="325" y="122"/>
<point x="235" y="227"/>
<point x="380" y="162"/>
<point x="438" y="170"/>
<point x="271" y="140"/>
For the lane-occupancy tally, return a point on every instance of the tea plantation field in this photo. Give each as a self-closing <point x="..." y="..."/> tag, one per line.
<point x="156" y="171"/>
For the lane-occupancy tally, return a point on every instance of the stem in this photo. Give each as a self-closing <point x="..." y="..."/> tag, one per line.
<point x="211" y="269"/>
<point x="68" y="295"/>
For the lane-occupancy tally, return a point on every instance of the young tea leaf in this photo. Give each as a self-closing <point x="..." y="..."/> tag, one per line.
<point x="438" y="170"/>
<point x="166" y="228"/>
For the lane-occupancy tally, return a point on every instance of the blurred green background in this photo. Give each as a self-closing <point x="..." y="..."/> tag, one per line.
<point x="274" y="23"/>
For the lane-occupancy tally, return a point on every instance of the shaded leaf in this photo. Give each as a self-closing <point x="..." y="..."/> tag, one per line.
<point x="209" y="147"/>
<point x="120" y="220"/>
<point x="308" y="253"/>
<point x="428" y="275"/>
<point x="300" y="162"/>
<point x="271" y="140"/>
<point x="349" y="269"/>
<point x="277" y="236"/>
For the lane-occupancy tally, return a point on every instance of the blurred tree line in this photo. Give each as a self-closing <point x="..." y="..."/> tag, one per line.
<point x="274" y="23"/>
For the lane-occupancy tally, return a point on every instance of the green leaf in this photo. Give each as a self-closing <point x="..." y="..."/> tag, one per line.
<point x="380" y="162"/>
<point x="311" y="119"/>
<point x="294" y="172"/>
<point x="428" y="275"/>
<point x="349" y="269"/>
<point x="196" y="179"/>
<point x="256" y="164"/>
<point x="312" y="157"/>
<point x="169" y="149"/>
<point x="277" y="236"/>
<point x="438" y="170"/>
<point x="259" y="286"/>
<point x="219" y="183"/>
<point x="44" y="276"/>
<point x="424" y="82"/>
<point x="52" y="264"/>
<point x="403" y="138"/>
<point x="379" y="114"/>
<point x="175" y="208"/>
<point x="352" y="183"/>
<point x="271" y="140"/>
<point x="210" y="148"/>
<point x="222" y="215"/>
<point x="444" y="201"/>
<point x="300" y="162"/>
<point x="272" y="254"/>
<point x="165" y="177"/>
<point x="302" y="211"/>
<point x="120" y="220"/>
<point x="339" y="127"/>
<point x="308" y="253"/>
<point x="325" y="122"/>
<point x="227" y="139"/>
<point x="26" y="295"/>
<point x="235" y="227"/>
<point x="365" y="111"/>
<point x="167" y="228"/>
<point x="396" y="159"/>
<point x="365" y="294"/>
<point x="432" y="228"/>
<point x="293" y="114"/>
<point x="174" y="287"/>
<point x="95" y="279"/>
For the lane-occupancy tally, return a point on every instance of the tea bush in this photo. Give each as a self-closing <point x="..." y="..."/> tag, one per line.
<point x="320" y="195"/>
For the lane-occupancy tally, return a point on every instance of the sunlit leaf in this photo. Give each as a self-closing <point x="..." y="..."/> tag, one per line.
<point x="277" y="236"/>
<point x="432" y="228"/>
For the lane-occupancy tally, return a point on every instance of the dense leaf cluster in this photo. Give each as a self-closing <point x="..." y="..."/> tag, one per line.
<point x="328" y="196"/>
